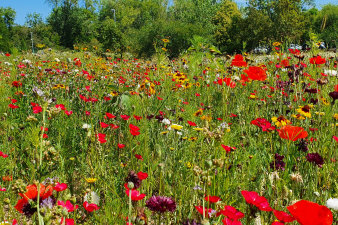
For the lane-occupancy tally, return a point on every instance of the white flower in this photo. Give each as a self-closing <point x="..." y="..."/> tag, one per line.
<point x="179" y="133"/>
<point x="86" y="126"/>
<point x="332" y="203"/>
<point x="331" y="72"/>
<point x="166" y="121"/>
<point x="316" y="193"/>
<point x="92" y="197"/>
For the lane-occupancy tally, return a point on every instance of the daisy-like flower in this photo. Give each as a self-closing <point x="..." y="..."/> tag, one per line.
<point x="280" y="121"/>
<point x="176" y="127"/>
<point x="305" y="110"/>
<point x="332" y="203"/>
<point x="91" y="180"/>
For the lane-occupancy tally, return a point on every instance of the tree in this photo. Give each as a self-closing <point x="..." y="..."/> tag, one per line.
<point x="227" y="20"/>
<point x="33" y="19"/>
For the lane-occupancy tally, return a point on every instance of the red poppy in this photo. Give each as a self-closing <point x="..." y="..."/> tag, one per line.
<point x="134" y="130"/>
<point x="139" y="157"/>
<point x="110" y="116"/>
<point x="142" y="176"/>
<point x="263" y="124"/>
<point x="138" y="117"/>
<point x="68" y="113"/>
<point x="208" y="212"/>
<point x="13" y="106"/>
<point x="191" y="123"/>
<point x="292" y="133"/>
<point x="16" y="83"/>
<point x="37" y="109"/>
<point x="68" y="205"/>
<point x="277" y="223"/>
<point x="212" y="199"/>
<point x="67" y="221"/>
<point x="114" y="126"/>
<point x="125" y="117"/>
<point x="228" y="221"/>
<point x="283" y="216"/>
<point x="2" y="189"/>
<point x="3" y="155"/>
<point x="238" y="61"/>
<point x="31" y="194"/>
<point x="335" y="138"/>
<point x="104" y="125"/>
<point x="317" y="60"/>
<point x="256" y="73"/>
<point x="255" y="199"/>
<point x="135" y="194"/>
<point x="60" y="187"/>
<point x="231" y="213"/>
<point x="60" y="106"/>
<point x="228" y="148"/>
<point x="90" y="207"/>
<point x="120" y="146"/>
<point x="101" y="138"/>
<point x="310" y="213"/>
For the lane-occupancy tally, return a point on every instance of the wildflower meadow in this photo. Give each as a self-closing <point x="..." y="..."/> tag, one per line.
<point x="203" y="138"/>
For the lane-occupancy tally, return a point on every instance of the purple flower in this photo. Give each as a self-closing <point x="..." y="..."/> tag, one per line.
<point x="316" y="159"/>
<point x="161" y="204"/>
<point x="278" y="164"/>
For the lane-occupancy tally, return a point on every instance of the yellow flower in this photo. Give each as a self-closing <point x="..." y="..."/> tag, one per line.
<point x="171" y="148"/>
<point x="252" y="97"/>
<point x="198" y="129"/>
<point x="298" y="117"/>
<point x="335" y="116"/>
<point x="164" y="132"/>
<point x="207" y="118"/>
<point x="90" y="180"/>
<point x="320" y="113"/>
<point x="325" y="102"/>
<point x="71" y="158"/>
<point x="185" y="138"/>
<point x="165" y="40"/>
<point x="305" y="110"/>
<point x="280" y="121"/>
<point x="198" y="112"/>
<point x="176" y="127"/>
<point x="193" y="139"/>
<point x="114" y="93"/>
<point x="188" y="164"/>
<point x="276" y="44"/>
<point x="164" y="49"/>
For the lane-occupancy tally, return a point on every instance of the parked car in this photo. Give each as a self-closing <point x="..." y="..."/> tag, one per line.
<point x="295" y="46"/>
<point x="261" y="50"/>
<point x="322" y="45"/>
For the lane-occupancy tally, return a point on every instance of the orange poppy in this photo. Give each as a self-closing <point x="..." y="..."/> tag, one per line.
<point x="256" y="73"/>
<point x="292" y="133"/>
<point x="32" y="194"/>
<point x="310" y="213"/>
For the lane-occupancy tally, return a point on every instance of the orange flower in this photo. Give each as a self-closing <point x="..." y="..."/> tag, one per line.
<point x="23" y="205"/>
<point x="292" y="133"/>
<point x="256" y="73"/>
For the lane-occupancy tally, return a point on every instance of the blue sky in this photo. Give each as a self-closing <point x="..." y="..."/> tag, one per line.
<point x="23" y="7"/>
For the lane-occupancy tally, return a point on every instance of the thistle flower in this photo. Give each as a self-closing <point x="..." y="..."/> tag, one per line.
<point x="161" y="204"/>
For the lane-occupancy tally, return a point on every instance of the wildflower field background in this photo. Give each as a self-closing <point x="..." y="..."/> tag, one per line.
<point x="199" y="139"/>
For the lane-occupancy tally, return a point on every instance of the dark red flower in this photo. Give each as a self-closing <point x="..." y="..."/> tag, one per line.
<point x="315" y="158"/>
<point x="310" y="213"/>
<point x="161" y="204"/>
